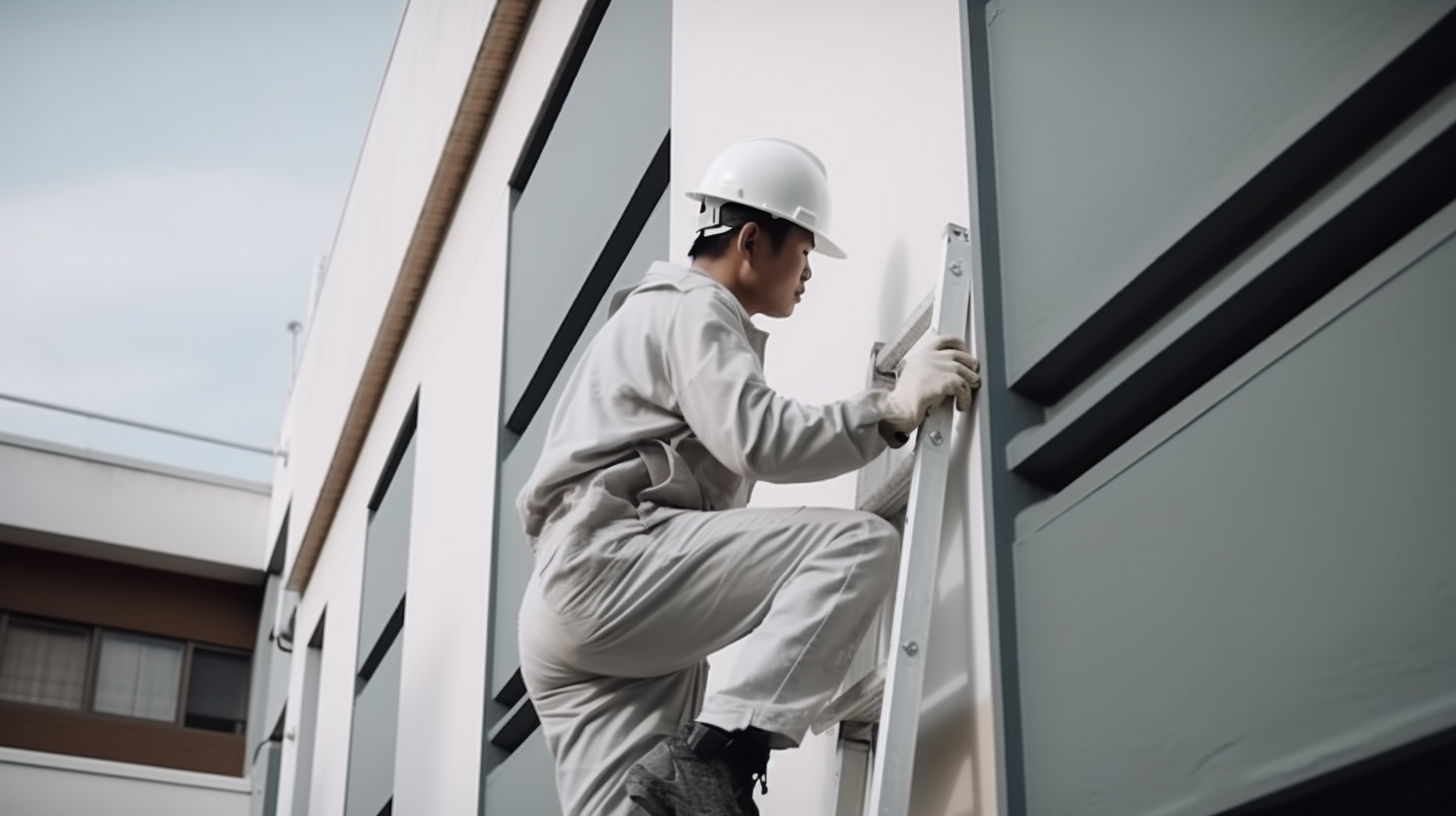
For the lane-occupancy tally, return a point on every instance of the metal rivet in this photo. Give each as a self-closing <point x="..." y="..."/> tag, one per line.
<point x="936" y="438"/>
<point x="957" y="268"/>
<point x="911" y="647"/>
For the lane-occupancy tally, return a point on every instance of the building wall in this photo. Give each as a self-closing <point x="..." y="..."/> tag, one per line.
<point x="875" y="90"/>
<point x="452" y="361"/>
<point x="897" y="166"/>
<point x="1212" y="237"/>
<point x="127" y="546"/>
<point x="136" y="512"/>
<point x="37" y="784"/>
<point x="1065" y="152"/>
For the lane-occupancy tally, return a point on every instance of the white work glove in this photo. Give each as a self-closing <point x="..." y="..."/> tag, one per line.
<point x="936" y="367"/>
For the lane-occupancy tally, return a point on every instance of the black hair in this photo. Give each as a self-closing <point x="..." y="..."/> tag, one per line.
<point x="736" y="216"/>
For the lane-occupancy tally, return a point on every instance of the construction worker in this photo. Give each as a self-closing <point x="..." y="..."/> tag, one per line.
<point x="646" y="558"/>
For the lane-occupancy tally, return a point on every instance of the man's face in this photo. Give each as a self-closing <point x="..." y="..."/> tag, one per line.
<point x="777" y="278"/>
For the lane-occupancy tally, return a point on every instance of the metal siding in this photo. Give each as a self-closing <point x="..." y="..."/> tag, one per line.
<point x="386" y="555"/>
<point x="609" y="128"/>
<point x="307" y="733"/>
<point x="264" y="774"/>
<point x="1266" y="594"/>
<point x="513" y="555"/>
<point x="1121" y="124"/>
<point x="372" y="742"/>
<point x="524" y="783"/>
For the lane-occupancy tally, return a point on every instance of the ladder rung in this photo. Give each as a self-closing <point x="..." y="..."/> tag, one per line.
<point x="860" y="703"/>
<point x="915" y="326"/>
<point x="891" y="496"/>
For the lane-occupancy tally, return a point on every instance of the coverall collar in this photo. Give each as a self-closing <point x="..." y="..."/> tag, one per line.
<point x="665" y="275"/>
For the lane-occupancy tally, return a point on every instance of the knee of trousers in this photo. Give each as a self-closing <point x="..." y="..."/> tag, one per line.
<point x="874" y="544"/>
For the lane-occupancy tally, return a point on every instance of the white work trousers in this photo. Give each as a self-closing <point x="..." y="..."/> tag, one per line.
<point x="615" y="632"/>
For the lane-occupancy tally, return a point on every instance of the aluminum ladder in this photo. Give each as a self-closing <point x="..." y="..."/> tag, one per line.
<point x="879" y="715"/>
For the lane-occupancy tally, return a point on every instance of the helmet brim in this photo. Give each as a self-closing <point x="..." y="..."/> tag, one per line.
<point x="824" y="246"/>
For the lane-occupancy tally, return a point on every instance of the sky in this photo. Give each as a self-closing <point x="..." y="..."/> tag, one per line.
<point x="170" y="173"/>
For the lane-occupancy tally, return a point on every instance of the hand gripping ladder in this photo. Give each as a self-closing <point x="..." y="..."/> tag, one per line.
<point x="887" y="699"/>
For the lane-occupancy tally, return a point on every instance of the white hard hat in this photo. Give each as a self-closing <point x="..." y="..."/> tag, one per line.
<point x="773" y="175"/>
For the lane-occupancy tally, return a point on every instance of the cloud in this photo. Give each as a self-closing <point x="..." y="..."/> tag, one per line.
<point x="169" y="227"/>
<point x="160" y="294"/>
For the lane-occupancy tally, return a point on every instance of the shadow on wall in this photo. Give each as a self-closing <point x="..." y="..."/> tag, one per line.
<point x="894" y="305"/>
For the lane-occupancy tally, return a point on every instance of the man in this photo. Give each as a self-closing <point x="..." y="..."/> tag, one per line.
<point x="647" y="559"/>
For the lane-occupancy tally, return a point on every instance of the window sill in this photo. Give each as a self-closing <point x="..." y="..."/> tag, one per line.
<point x="124" y="770"/>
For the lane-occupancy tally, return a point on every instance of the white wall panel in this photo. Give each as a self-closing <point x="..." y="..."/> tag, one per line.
<point x="432" y="58"/>
<point x="876" y="91"/>
<point x="437" y="769"/>
<point x="451" y="357"/>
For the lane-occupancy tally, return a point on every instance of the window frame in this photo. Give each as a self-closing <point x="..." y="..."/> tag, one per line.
<point x="93" y="662"/>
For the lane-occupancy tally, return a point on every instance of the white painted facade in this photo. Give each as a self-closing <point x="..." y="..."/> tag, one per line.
<point x="896" y="155"/>
<point x="879" y="91"/>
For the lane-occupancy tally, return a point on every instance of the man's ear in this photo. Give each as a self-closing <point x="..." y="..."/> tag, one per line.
<point x="749" y="236"/>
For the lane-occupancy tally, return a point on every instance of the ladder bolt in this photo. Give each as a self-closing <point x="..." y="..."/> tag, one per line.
<point x="936" y="438"/>
<point x="911" y="647"/>
<point x="957" y="268"/>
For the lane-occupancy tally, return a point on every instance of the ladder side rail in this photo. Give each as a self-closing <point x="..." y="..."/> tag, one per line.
<point x="879" y="489"/>
<point x="905" y="673"/>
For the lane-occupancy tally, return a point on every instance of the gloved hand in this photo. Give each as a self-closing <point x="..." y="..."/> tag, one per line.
<point x="936" y="367"/>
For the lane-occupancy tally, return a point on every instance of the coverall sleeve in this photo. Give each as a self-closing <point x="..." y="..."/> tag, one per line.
<point x="718" y="382"/>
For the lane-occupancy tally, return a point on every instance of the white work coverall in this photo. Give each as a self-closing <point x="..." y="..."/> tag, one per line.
<point x="647" y="561"/>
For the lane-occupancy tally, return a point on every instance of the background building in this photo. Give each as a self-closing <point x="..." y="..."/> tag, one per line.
<point x="1199" y="557"/>
<point x="132" y="668"/>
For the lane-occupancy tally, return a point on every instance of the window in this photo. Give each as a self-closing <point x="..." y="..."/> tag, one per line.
<point x="44" y="663"/>
<point x="84" y="668"/>
<point x="217" y="690"/>
<point x="138" y="677"/>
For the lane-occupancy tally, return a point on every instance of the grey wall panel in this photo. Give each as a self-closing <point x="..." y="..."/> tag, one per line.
<point x="1266" y="595"/>
<point x="523" y="784"/>
<point x="264" y="776"/>
<point x="513" y="556"/>
<point x="1121" y="124"/>
<point x="609" y="128"/>
<point x="308" y="704"/>
<point x="372" y="742"/>
<point x="386" y="555"/>
<point x="268" y="685"/>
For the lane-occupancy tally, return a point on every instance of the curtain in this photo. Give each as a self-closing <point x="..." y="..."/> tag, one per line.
<point x="44" y="664"/>
<point x="138" y="677"/>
